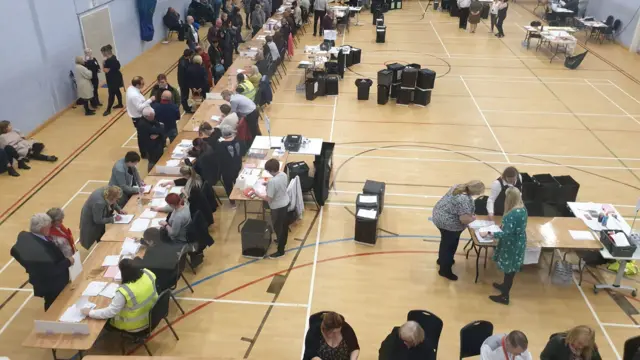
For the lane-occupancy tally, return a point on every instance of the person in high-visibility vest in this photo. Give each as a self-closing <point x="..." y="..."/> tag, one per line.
<point x="247" y="87"/>
<point x="129" y="308"/>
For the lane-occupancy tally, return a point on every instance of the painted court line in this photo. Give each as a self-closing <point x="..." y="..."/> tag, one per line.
<point x="440" y="39"/>
<point x="613" y="102"/>
<point x="129" y="139"/>
<point x="313" y="280"/>
<point x="624" y="92"/>
<point x="243" y="302"/>
<point x="549" y="113"/>
<point x="621" y="325"/>
<point x="15" y="314"/>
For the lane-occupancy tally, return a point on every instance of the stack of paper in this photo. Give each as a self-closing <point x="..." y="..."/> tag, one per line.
<point x="481" y="239"/>
<point x="109" y="291"/>
<point x="148" y="214"/>
<point x="490" y="229"/>
<point x="147" y="189"/>
<point x="176" y="190"/>
<point x="76" y="269"/>
<point x="581" y="235"/>
<point x="156" y="222"/>
<point x="111" y="272"/>
<point x="477" y="224"/>
<point x="158" y="203"/>
<point x="139" y="225"/>
<point x="160" y="192"/>
<point x="173" y="162"/>
<point x="129" y="247"/>
<point x="94" y="288"/>
<point x="72" y="315"/>
<point x="620" y="239"/>
<point x="124" y="219"/>
<point x="111" y="260"/>
<point x="368" y="199"/>
<point x="215" y="118"/>
<point x="367" y="213"/>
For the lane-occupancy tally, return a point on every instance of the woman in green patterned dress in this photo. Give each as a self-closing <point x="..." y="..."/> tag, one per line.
<point x="512" y="243"/>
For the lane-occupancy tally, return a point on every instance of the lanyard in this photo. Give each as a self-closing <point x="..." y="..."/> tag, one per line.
<point x="504" y="349"/>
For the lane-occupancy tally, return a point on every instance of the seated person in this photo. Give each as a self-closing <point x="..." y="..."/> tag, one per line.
<point x="406" y="342"/>
<point x="179" y="218"/>
<point x="125" y="175"/>
<point x="228" y="117"/>
<point x="160" y="258"/>
<point x="23" y="148"/>
<point x="513" y="345"/>
<point x="8" y="163"/>
<point x="172" y="21"/>
<point x="129" y="308"/>
<point x="198" y="196"/>
<point x="271" y="48"/>
<point x="246" y="85"/>
<point x="60" y="234"/>
<point x="332" y="338"/>
<point x="254" y="75"/>
<point x="578" y="343"/>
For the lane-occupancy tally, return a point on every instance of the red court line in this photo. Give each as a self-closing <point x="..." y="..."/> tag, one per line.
<point x="199" y="307"/>
<point x="34" y="189"/>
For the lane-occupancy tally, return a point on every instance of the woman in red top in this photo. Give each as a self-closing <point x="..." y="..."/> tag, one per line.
<point x="206" y="61"/>
<point x="60" y="234"/>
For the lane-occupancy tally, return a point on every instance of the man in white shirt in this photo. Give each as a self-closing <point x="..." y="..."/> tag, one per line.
<point x="136" y="103"/>
<point x="512" y="346"/>
<point x="192" y="36"/>
<point x="464" y="5"/>
<point x="319" y="10"/>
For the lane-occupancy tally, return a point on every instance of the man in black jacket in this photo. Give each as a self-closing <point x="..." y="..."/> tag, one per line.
<point x="152" y="137"/>
<point x="163" y="85"/>
<point x="183" y="65"/>
<point x="168" y="114"/>
<point x="47" y="267"/>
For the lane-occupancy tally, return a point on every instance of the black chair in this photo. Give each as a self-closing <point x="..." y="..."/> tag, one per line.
<point x="631" y="348"/>
<point x="534" y="35"/>
<point x="159" y="312"/>
<point x="430" y="323"/>
<point x="472" y="336"/>
<point x="182" y="264"/>
<point x="610" y="31"/>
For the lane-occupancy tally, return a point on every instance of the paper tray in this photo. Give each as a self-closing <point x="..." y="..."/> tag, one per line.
<point x="616" y="251"/>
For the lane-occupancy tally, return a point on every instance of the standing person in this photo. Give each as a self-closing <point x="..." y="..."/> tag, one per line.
<point x="111" y="68"/>
<point x="236" y="28"/>
<point x="98" y="211"/>
<point x="206" y="62"/>
<point x="125" y="175"/>
<point x="451" y="215"/>
<point x="463" y="6"/>
<point x="60" y="234"/>
<point x="168" y="114"/>
<point x="83" y="84"/>
<point x="244" y="108"/>
<point x="197" y="78"/>
<point x="226" y="45"/>
<point x="257" y="19"/>
<point x="135" y="104"/>
<point x="278" y="200"/>
<point x="512" y="243"/>
<point x="183" y="65"/>
<point x="495" y="6"/>
<point x="319" y="10"/>
<point x="502" y="14"/>
<point x="230" y="159"/>
<point x="163" y="85"/>
<point x="327" y="21"/>
<point x="475" y="10"/>
<point x="506" y="347"/>
<point x="495" y="202"/>
<point x="217" y="4"/>
<point x="45" y="263"/>
<point x="193" y="38"/>
<point x="93" y="65"/>
<point x="579" y="343"/>
<point x="246" y="5"/>
<point x="151" y="136"/>
<point x="266" y="8"/>
<point x="212" y="33"/>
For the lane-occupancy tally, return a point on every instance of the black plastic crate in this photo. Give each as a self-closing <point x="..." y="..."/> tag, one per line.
<point x="617" y="251"/>
<point x="568" y="188"/>
<point x="547" y="188"/>
<point x="528" y="188"/>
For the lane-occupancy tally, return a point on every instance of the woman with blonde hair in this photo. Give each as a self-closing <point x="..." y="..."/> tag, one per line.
<point x="198" y="77"/>
<point x="451" y="215"/>
<point x="98" y="211"/>
<point x="512" y="243"/>
<point x="83" y="77"/>
<point x="579" y="343"/>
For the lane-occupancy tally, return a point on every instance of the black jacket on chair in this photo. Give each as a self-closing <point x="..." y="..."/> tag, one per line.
<point x="47" y="267"/>
<point x="393" y="348"/>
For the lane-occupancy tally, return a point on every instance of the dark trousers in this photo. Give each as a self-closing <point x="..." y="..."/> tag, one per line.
<point x="317" y="17"/>
<point x="140" y="148"/>
<point x="247" y="17"/>
<point x="50" y="297"/>
<point x="464" y="16"/>
<point x="494" y="17"/>
<point x="12" y="154"/>
<point x="252" y="123"/>
<point x="153" y="158"/>
<point x="280" y="226"/>
<point x="499" y="26"/>
<point x="507" y="284"/>
<point x="95" y="100"/>
<point x="255" y="30"/>
<point x="184" y="98"/>
<point x="448" y="246"/>
<point x="113" y="94"/>
<point x="229" y="180"/>
<point x="85" y="103"/>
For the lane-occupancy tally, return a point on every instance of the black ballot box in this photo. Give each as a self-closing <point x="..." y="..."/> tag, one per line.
<point x="256" y="238"/>
<point x="381" y="33"/>
<point x="375" y="188"/>
<point x="366" y="228"/>
<point x="383" y="94"/>
<point x="366" y="201"/>
<point x="422" y="97"/>
<point x="311" y="89"/>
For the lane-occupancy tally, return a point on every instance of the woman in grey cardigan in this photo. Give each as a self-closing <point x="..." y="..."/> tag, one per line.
<point x="97" y="212"/>
<point x="125" y="175"/>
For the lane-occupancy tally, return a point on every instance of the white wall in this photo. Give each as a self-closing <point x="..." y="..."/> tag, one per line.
<point x="625" y="10"/>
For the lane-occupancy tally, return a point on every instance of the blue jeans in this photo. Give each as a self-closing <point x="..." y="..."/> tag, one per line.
<point x="216" y="11"/>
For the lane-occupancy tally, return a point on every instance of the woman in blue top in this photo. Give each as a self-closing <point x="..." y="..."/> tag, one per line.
<point x="512" y="243"/>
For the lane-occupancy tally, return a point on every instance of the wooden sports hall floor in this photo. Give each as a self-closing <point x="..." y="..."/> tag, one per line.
<point x="498" y="104"/>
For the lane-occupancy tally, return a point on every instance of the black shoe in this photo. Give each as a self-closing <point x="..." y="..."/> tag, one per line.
<point x="497" y="286"/>
<point x="99" y="104"/>
<point x="451" y="276"/>
<point x="23" y="165"/>
<point x="89" y="113"/>
<point x="189" y="111"/>
<point x="11" y="171"/>
<point x="500" y="299"/>
<point x="276" y="255"/>
<point x="438" y="262"/>
<point x="119" y="106"/>
<point x="106" y="113"/>
<point x="52" y="158"/>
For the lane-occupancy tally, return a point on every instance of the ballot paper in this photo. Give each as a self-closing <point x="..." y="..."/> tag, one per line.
<point x="215" y="118"/>
<point x="532" y="255"/>
<point x="214" y="96"/>
<point x="160" y="192"/>
<point x="368" y="199"/>
<point x="111" y="260"/>
<point x="173" y="162"/>
<point x="158" y="203"/>
<point x="76" y="268"/>
<point x="477" y="224"/>
<point x="73" y="313"/>
<point x="156" y="222"/>
<point x="111" y="272"/>
<point x="168" y="170"/>
<point x="147" y="189"/>
<point x="176" y="190"/>
<point x="139" y="225"/>
<point x="124" y="219"/>
<point x="110" y="290"/>
<point x="620" y="239"/>
<point x="260" y="188"/>
<point x="148" y="214"/>
<point x="487" y="239"/>
<point x="491" y="228"/>
<point x="94" y="288"/>
<point x="367" y="213"/>
<point x="129" y="247"/>
<point x="581" y="235"/>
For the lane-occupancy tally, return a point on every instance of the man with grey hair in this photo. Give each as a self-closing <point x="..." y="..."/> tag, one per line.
<point x="46" y="265"/>
<point x="244" y="108"/>
<point x="152" y="136"/>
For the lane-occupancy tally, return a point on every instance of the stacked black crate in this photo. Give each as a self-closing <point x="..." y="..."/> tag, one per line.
<point x="407" y="86"/>
<point x="424" y="85"/>
<point x="367" y="214"/>
<point x="396" y="69"/>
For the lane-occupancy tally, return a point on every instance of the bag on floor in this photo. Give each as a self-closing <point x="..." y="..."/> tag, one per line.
<point x="572" y="62"/>
<point x="630" y="269"/>
<point x="562" y="273"/>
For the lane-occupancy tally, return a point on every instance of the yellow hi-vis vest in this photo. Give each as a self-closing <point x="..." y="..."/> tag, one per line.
<point x="140" y="297"/>
<point x="248" y="89"/>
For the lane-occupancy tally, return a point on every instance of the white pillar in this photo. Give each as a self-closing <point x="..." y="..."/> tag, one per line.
<point x="635" y="43"/>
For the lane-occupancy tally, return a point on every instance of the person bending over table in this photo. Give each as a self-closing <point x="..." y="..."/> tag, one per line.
<point x="245" y="108"/>
<point x="578" y="343"/>
<point x="125" y="175"/>
<point x="207" y="164"/>
<point x="129" y="309"/>
<point x="18" y="146"/>
<point x="495" y="202"/>
<point x="406" y="342"/>
<point x="198" y="197"/>
<point x="512" y="243"/>
<point x="174" y="229"/>
<point x="331" y="339"/>
<point x="278" y="200"/>
<point x="228" y="117"/>
<point x="98" y="211"/>
<point x="229" y="156"/>
<point x="512" y="346"/>
<point x="46" y="265"/>
<point x="60" y="234"/>
<point x="451" y="215"/>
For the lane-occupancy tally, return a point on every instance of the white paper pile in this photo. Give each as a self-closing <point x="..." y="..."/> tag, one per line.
<point x="173" y="162"/>
<point x="110" y="290"/>
<point x="124" y="219"/>
<point x="477" y="224"/>
<point x="491" y="228"/>
<point x="148" y="214"/>
<point x="129" y="247"/>
<point x="176" y="190"/>
<point x="581" y="235"/>
<point x="94" y="288"/>
<point x="158" y="203"/>
<point x="140" y="225"/>
<point x="367" y="213"/>
<point x="156" y="222"/>
<point x="620" y="239"/>
<point x="111" y="260"/>
<point x="368" y="199"/>
<point x="73" y="313"/>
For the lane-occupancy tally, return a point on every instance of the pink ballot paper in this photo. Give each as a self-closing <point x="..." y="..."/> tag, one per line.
<point x="111" y="272"/>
